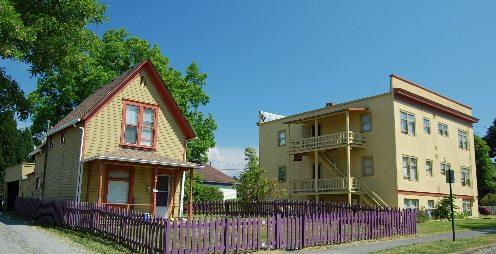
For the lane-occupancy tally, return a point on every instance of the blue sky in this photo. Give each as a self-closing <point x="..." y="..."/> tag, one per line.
<point x="290" y="56"/>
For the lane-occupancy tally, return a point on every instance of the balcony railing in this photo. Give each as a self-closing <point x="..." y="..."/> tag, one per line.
<point x="323" y="185"/>
<point x="326" y="141"/>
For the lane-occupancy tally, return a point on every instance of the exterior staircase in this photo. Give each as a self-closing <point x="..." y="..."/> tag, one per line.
<point x="366" y="194"/>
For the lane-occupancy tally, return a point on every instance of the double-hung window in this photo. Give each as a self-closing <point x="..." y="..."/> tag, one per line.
<point x="367" y="166"/>
<point x="407" y="122"/>
<point x="366" y="122"/>
<point x="462" y="140"/>
<point x="427" y="126"/>
<point x="281" y="137"/>
<point x="442" y="129"/>
<point x="445" y="167"/>
<point x="465" y="176"/>
<point x="139" y="125"/>
<point x="467" y="207"/>
<point x="282" y="174"/>
<point x="410" y="168"/>
<point x="411" y="203"/>
<point x="118" y="186"/>
<point x="428" y="167"/>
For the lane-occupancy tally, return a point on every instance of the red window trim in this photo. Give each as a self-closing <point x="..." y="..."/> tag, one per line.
<point x="107" y="169"/>
<point x="141" y="106"/>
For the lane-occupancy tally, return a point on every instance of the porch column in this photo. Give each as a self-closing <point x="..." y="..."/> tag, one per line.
<point x="154" y="188"/>
<point x="190" y="201"/>
<point x="348" y="155"/>
<point x="316" y="158"/>
<point x="100" y="182"/>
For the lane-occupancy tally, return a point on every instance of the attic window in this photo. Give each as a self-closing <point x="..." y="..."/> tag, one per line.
<point x="139" y="125"/>
<point x="142" y="80"/>
<point x="62" y="139"/>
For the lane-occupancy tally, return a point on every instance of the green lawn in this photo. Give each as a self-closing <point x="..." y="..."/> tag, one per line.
<point x="445" y="246"/>
<point x="435" y="227"/>
<point x="87" y="240"/>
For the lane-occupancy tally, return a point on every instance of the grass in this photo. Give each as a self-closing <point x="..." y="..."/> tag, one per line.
<point x="436" y="227"/>
<point x="87" y="240"/>
<point x="445" y="246"/>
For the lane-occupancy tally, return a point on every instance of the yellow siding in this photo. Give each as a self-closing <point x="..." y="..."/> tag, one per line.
<point x="142" y="185"/>
<point x="397" y="83"/>
<point x="436" y="148"/>
<point x="62" y="166"/>
<point x="103" y="130"/>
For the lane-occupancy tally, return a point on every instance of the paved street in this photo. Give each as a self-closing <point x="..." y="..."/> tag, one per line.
<point x="16" y="237"/>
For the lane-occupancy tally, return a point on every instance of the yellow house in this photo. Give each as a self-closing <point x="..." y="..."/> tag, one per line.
<point x="391" y="149"/>
<point x="124" y="146"/>
<point x="16" y="183"/>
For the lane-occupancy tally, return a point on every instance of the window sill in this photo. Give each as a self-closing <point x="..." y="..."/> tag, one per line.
<point x="146" y="148"/>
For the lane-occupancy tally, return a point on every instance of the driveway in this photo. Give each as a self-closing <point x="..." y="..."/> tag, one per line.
<point x="368" y="247"/>
<point x="17" y="237"/>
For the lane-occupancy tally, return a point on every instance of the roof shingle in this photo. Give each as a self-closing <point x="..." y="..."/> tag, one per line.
<point x="212" y="175"/>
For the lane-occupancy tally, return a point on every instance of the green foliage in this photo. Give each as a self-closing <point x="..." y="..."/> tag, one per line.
<point x="484" y="166"/>
<point x="442" y="210"/>
<point x="15" y="144"/>
<point x="59" y="92"/>
<point x="489" y="200"/>
<point x="202" y="192"/>
<point x="422" y="215"/>
<point x="12" y="97"/>
<point x="460" y="215"/>
<point x="490" y="139"/>
<point x="254" y="186"/>
<point x="47" y="34"/>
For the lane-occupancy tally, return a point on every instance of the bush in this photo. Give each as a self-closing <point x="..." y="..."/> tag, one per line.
<point x="489" y="200"/>
<point x="422" y="215"/>
<point x="460" y="215"/>
<point x="443" y="209"/>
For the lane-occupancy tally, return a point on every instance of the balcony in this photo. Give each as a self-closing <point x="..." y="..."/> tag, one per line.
<point x="326" y="142"/>
<point x="338" y="185"/>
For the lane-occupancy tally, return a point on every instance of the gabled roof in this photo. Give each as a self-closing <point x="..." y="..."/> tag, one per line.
<point x="91" y="105"/>
<point x="212" y="175"/>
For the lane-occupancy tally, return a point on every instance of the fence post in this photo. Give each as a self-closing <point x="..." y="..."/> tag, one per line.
<point x="166" y="237"/>
<point x="226" y="229"/>
<point x="302" y="228"/>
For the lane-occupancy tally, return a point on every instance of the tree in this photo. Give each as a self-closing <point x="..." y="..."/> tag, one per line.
<point x="59" y="92"/>
<point x="253" y="185"/>
<point x="202" y="192"/>
<point x="490" y="139"/>
<point x="15" y="145"/>
<point x="12" y="97"/>
<point x="485" y="168"/>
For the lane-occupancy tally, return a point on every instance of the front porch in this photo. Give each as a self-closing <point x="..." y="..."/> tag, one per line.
<point x="331" y="185"/>
<point x="146" y="186"/>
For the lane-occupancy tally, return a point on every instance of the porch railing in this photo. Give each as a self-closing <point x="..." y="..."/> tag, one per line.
<point x="331" y="140"/>
<point x="324" y="185"/>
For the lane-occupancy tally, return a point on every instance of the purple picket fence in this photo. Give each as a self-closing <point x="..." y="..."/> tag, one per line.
<point x="148" y="234"/>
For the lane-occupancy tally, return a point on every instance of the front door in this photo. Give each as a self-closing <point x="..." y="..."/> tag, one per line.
<point x="162" y="195"/>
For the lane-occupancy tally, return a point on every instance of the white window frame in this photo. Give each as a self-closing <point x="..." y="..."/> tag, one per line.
<point x="467" y="207"/>
<point x="462" y="140"/>
<point x="366" y="123"/>
<point x="405" y="123"/>
<point x="427" y="127"/>
<point x="465" y="176"/>
<point x="444" y="167"/>
<point x="282" y="169"/>
<point x="431" y="171"/>
<point x="364" y="167"/>
<point x="411" y="203"/>
<point x="407" y="172"/>
<point x="281" y="141"/>
<point x="442" y="129"/>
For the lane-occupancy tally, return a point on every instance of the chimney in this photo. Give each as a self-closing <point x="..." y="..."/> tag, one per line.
<point x="330" y="104"/>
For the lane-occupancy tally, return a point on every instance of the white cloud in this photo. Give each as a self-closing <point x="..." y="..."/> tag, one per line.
<point x="229" y="160"/>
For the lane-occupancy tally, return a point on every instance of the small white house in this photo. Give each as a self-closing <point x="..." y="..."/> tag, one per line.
<point x="216" y="178"/>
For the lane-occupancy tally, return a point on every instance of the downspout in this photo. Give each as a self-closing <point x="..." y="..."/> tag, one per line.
<point x="181" y="201"/>
<point x="80" y="166"/>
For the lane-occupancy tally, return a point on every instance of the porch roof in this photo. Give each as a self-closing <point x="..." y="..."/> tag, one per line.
<point x="141" y="157"/>
<point x="332" y="110"/>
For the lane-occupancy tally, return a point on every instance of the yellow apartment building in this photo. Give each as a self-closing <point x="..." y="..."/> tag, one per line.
<point x="390" y="149"/>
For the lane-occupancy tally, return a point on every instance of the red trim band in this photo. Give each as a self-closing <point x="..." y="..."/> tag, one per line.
<point x="404" y="95"/>
<point x="431" y="194"/>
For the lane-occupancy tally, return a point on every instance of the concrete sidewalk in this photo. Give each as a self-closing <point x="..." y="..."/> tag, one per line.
<point x="368" y="247"/>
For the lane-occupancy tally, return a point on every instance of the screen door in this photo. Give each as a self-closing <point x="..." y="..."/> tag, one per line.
<point x="162" y="195"/>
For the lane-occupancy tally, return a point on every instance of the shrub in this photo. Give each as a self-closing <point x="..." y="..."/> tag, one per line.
<point x="442" y="210"/>
<point x="489" y="200"/>
<point x="460" y="215"/>
<point x="422" y="215"/>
